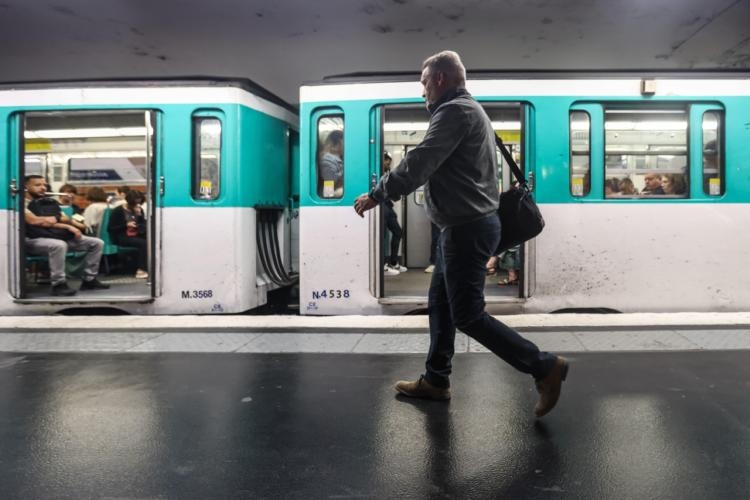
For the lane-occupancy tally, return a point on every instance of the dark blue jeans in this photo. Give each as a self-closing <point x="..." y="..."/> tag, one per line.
<point x="391" y="222"/>
<point x="434" y="236"/>
<point x="456" y="300"/>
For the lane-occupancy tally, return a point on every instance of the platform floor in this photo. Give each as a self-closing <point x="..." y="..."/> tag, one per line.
<point x="332" y="340"/>
<point x="235" y="426"/>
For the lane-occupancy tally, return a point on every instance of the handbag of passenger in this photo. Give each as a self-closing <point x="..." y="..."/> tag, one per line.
<point x="520" y="218"/>
<point x="47" y="207"/>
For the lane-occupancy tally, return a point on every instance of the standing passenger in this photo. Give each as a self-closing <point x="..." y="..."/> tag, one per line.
<point x="392" y="266"/>
<point x="456" y="160"/>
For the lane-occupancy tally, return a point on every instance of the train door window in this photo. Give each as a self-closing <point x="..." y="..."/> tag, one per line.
<point x="409" y="245"/>
<point x="405" y="231"/>
<point x="713" y="164"/>
<point x="506" y="122"/>
<point x="646" y="153"/>
<point x="330" y="156"/>
<point x="207" y="134"/>
<point x="580" y="153"/>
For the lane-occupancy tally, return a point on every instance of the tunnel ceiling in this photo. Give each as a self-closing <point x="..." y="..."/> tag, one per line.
<point x="281" y="44"/>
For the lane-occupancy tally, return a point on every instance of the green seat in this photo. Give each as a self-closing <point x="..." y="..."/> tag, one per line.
<point x="33" y="260"/>
<point x="36" y="259"/>
<point x="102" y="232"/>
<point x="109" y="249"/>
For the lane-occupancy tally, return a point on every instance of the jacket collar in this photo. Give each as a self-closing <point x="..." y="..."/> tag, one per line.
<point x="449" y="95"/>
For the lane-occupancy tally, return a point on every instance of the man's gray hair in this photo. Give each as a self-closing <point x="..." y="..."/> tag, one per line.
<point x="449" y="63"/>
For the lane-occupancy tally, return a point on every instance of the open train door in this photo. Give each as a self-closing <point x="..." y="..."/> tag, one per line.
<point x="528" y="254"/>
<point x="90" y="149"/>
<point x="376" y="220"/>
<point x="15" y="250"/>
<point x="155" y="186"/>
<point x="512" y="122"/>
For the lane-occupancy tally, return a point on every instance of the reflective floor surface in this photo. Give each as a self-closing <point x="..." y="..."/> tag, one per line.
<point x="232" y="426"/>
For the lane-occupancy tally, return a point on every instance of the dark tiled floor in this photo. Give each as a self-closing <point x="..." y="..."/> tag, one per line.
<point x="226" y="426"/>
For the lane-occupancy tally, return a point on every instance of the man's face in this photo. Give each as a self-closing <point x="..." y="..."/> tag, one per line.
<point x="653" y="181"/>
<point x="36" y="187"/>
<point x="432" y="86"/>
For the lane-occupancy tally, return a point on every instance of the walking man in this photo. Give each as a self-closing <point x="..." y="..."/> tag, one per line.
<point x="456" y="163"/>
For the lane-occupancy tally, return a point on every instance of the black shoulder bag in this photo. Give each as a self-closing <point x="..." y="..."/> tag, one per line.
<point x="520" y="218"/>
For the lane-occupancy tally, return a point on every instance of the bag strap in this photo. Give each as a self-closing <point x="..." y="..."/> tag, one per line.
<point x="511" y="163"/>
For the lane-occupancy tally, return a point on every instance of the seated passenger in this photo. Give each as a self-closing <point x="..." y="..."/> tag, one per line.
<point x="331" y="166"/>
<point x="127" y="228"/>
<point x="509" y="261"/>
<point x="51" y="233"/>
<point x="674" y="184"/>
<point x="611" y="187"/>
<point x="70" y="192"/>
<point x="652" y="185"/>
<point x="93" y="214"/>
<point x="120" y="198"/>
<point x="627" y="188"/>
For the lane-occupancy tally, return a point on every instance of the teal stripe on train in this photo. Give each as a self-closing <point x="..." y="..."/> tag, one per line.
<point x="256" y="160"/>
<point x="548" y="148"/>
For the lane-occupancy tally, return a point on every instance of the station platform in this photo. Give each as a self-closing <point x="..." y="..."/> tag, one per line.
<point x="365" y="334"/>
<point x="152" y="408"/>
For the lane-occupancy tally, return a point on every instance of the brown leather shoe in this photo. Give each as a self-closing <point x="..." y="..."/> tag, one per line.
<point x="422" y="389"/>
<point x="549" y="387"/>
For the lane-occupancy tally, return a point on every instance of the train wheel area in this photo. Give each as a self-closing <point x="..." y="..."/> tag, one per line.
<point x="628" y="425"/>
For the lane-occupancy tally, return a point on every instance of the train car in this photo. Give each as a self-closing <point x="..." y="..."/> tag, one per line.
<point x="214" y="160"/>
<point x="643" y="180"/>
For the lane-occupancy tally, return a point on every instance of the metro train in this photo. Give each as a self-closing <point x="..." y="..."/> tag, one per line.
<point x="643" y="180"/>
<point x="216" y="160"/>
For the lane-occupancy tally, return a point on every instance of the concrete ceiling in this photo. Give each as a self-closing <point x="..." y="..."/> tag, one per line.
<point x="281" y="44"/>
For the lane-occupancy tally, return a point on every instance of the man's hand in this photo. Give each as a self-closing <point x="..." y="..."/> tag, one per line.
<point x="363" y="203"/>
<point x="76" y="232"/>
<point x="47" y="221"/>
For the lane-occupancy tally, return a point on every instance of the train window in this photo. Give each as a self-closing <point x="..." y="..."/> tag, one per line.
<point x="713" y="171"/>
<point x="580" y="153"/>
<point x="330" y="156"/>
<point x="87" y="149"/>
<point x="646" y="153"/>
<point x="206" y="158"/>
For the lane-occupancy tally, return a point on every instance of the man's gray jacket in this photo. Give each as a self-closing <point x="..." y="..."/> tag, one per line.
<point x="455" y="161"/>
